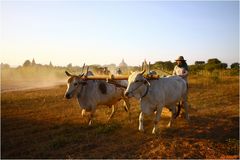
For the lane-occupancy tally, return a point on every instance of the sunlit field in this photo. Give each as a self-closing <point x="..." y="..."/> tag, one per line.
<point x="51" y="45"/>
<point x="41" y="123"/>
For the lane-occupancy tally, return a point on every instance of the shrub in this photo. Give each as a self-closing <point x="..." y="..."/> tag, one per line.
<point x="235" y="65"/>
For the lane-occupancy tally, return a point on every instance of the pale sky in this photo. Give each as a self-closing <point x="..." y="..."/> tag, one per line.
<point x="105" y="32"/>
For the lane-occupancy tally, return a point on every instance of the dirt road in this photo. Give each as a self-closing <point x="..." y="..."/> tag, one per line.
<point x="24" y="85"/>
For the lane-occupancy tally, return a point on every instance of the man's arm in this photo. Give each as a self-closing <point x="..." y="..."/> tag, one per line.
<point x="174" y="71"/>
<point x="184" y="73"/>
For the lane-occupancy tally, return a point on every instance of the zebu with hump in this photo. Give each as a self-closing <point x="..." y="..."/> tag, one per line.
<point x="92" y="93"/>
<point x="155" y="94"/>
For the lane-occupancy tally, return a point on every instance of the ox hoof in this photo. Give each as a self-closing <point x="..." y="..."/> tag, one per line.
<point x="169" y="125"/>
<point x="154" y="131"/>
<point x="90" y="123"/>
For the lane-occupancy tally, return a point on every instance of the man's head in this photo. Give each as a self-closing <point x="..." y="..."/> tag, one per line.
<point x="180" y="60"/>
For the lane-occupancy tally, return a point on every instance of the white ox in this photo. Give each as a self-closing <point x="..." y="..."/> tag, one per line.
<point x="154" y="94"/>
<point x="92" y="93"/>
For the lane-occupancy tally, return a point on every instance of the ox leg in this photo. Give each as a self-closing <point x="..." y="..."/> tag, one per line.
<point x="186" y="110"/>
<point x="173" y="115"/>
<point x="140" y="128"/>
<point x="91" y="118"/>
<point x="157" y="119"/>
<point x="83" y="112"/>
<point x="127" y="108"/>
<point x="85" y="116"/>
<point x="125" y="105"/>
<point x="112" y="113"/>
<point x="185" y="104"/>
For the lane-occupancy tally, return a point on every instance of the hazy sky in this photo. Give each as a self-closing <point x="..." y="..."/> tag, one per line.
<point x="104" y="32"/>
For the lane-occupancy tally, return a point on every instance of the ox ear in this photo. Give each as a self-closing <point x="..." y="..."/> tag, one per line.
<point x="142" y="72"/>
<point x="68" y="74"/>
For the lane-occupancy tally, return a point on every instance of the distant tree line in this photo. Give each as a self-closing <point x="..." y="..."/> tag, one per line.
<point x="28" y="63"/>
<point x="33" y="64"/>
<point x="4" y="65"/>
<point x="211" y="65"/>
<point x="198" y="66"/>
<point x="167" y="65"/>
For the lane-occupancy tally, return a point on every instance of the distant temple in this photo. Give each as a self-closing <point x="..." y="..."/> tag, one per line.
<point x="122" y="64"/>
<point x="123" y="67"/>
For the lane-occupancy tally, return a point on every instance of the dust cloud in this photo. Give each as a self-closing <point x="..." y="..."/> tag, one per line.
<point x="14" y="79"/>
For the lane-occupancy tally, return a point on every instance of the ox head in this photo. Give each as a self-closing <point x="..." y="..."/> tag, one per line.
<point x="73" y="84"/>
<point x="136" y="83"/>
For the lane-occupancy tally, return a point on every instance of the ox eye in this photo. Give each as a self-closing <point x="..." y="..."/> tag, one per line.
<point x="137" y="80"/>
<point x="75" y="84"/>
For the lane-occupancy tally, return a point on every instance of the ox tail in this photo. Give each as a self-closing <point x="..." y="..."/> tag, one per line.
<point x="178" y="109"/>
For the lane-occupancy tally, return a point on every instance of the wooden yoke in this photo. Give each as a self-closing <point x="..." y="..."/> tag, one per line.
<point x="105" y="77"/>
<point x="118" y="77"/>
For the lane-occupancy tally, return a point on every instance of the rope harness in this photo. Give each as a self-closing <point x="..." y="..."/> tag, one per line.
<point x="144" y="82"/>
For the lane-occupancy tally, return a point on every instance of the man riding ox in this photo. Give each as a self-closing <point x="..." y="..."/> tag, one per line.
<point x="154" y="94"/>
<point x="92" y="93"/>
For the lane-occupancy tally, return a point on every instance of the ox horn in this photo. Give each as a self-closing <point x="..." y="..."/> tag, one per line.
<point x="81" y="74"/>
<point x="142" y="72"/>
<point x="142" y="66"/>
<point x="87" y="69"/>
<point x="68" y="74"/>
<point x="149" y="63"/>
<point x="83" y="67"/>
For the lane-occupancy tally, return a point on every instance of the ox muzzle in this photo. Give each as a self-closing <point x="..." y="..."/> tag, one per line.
<point x="68" y="96"/>
<point x="127" y="94"/>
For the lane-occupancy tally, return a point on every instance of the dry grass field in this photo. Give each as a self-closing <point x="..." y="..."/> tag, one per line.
<point x="40" y="123"/>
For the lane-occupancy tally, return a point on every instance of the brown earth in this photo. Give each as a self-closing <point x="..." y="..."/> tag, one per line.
<point x="42" y="124"/>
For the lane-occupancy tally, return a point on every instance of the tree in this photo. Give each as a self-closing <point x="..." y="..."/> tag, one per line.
<point x="4" y="66"/>
<point x="213" y="61"/>
<point x="199" y="62"/>
<point x="27" y="63"/>
<point x="69" y="65"/>
<point x="196" y="68"/>
<point x="168" y="65"/>
<point x="213" y="64"/>
<point x="210" y="67"/>
<point x="223" y="65"/>
<point x="235" y="65"/>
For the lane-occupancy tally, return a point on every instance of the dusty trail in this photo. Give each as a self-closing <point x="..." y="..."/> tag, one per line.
<point x="23" y="85"/>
